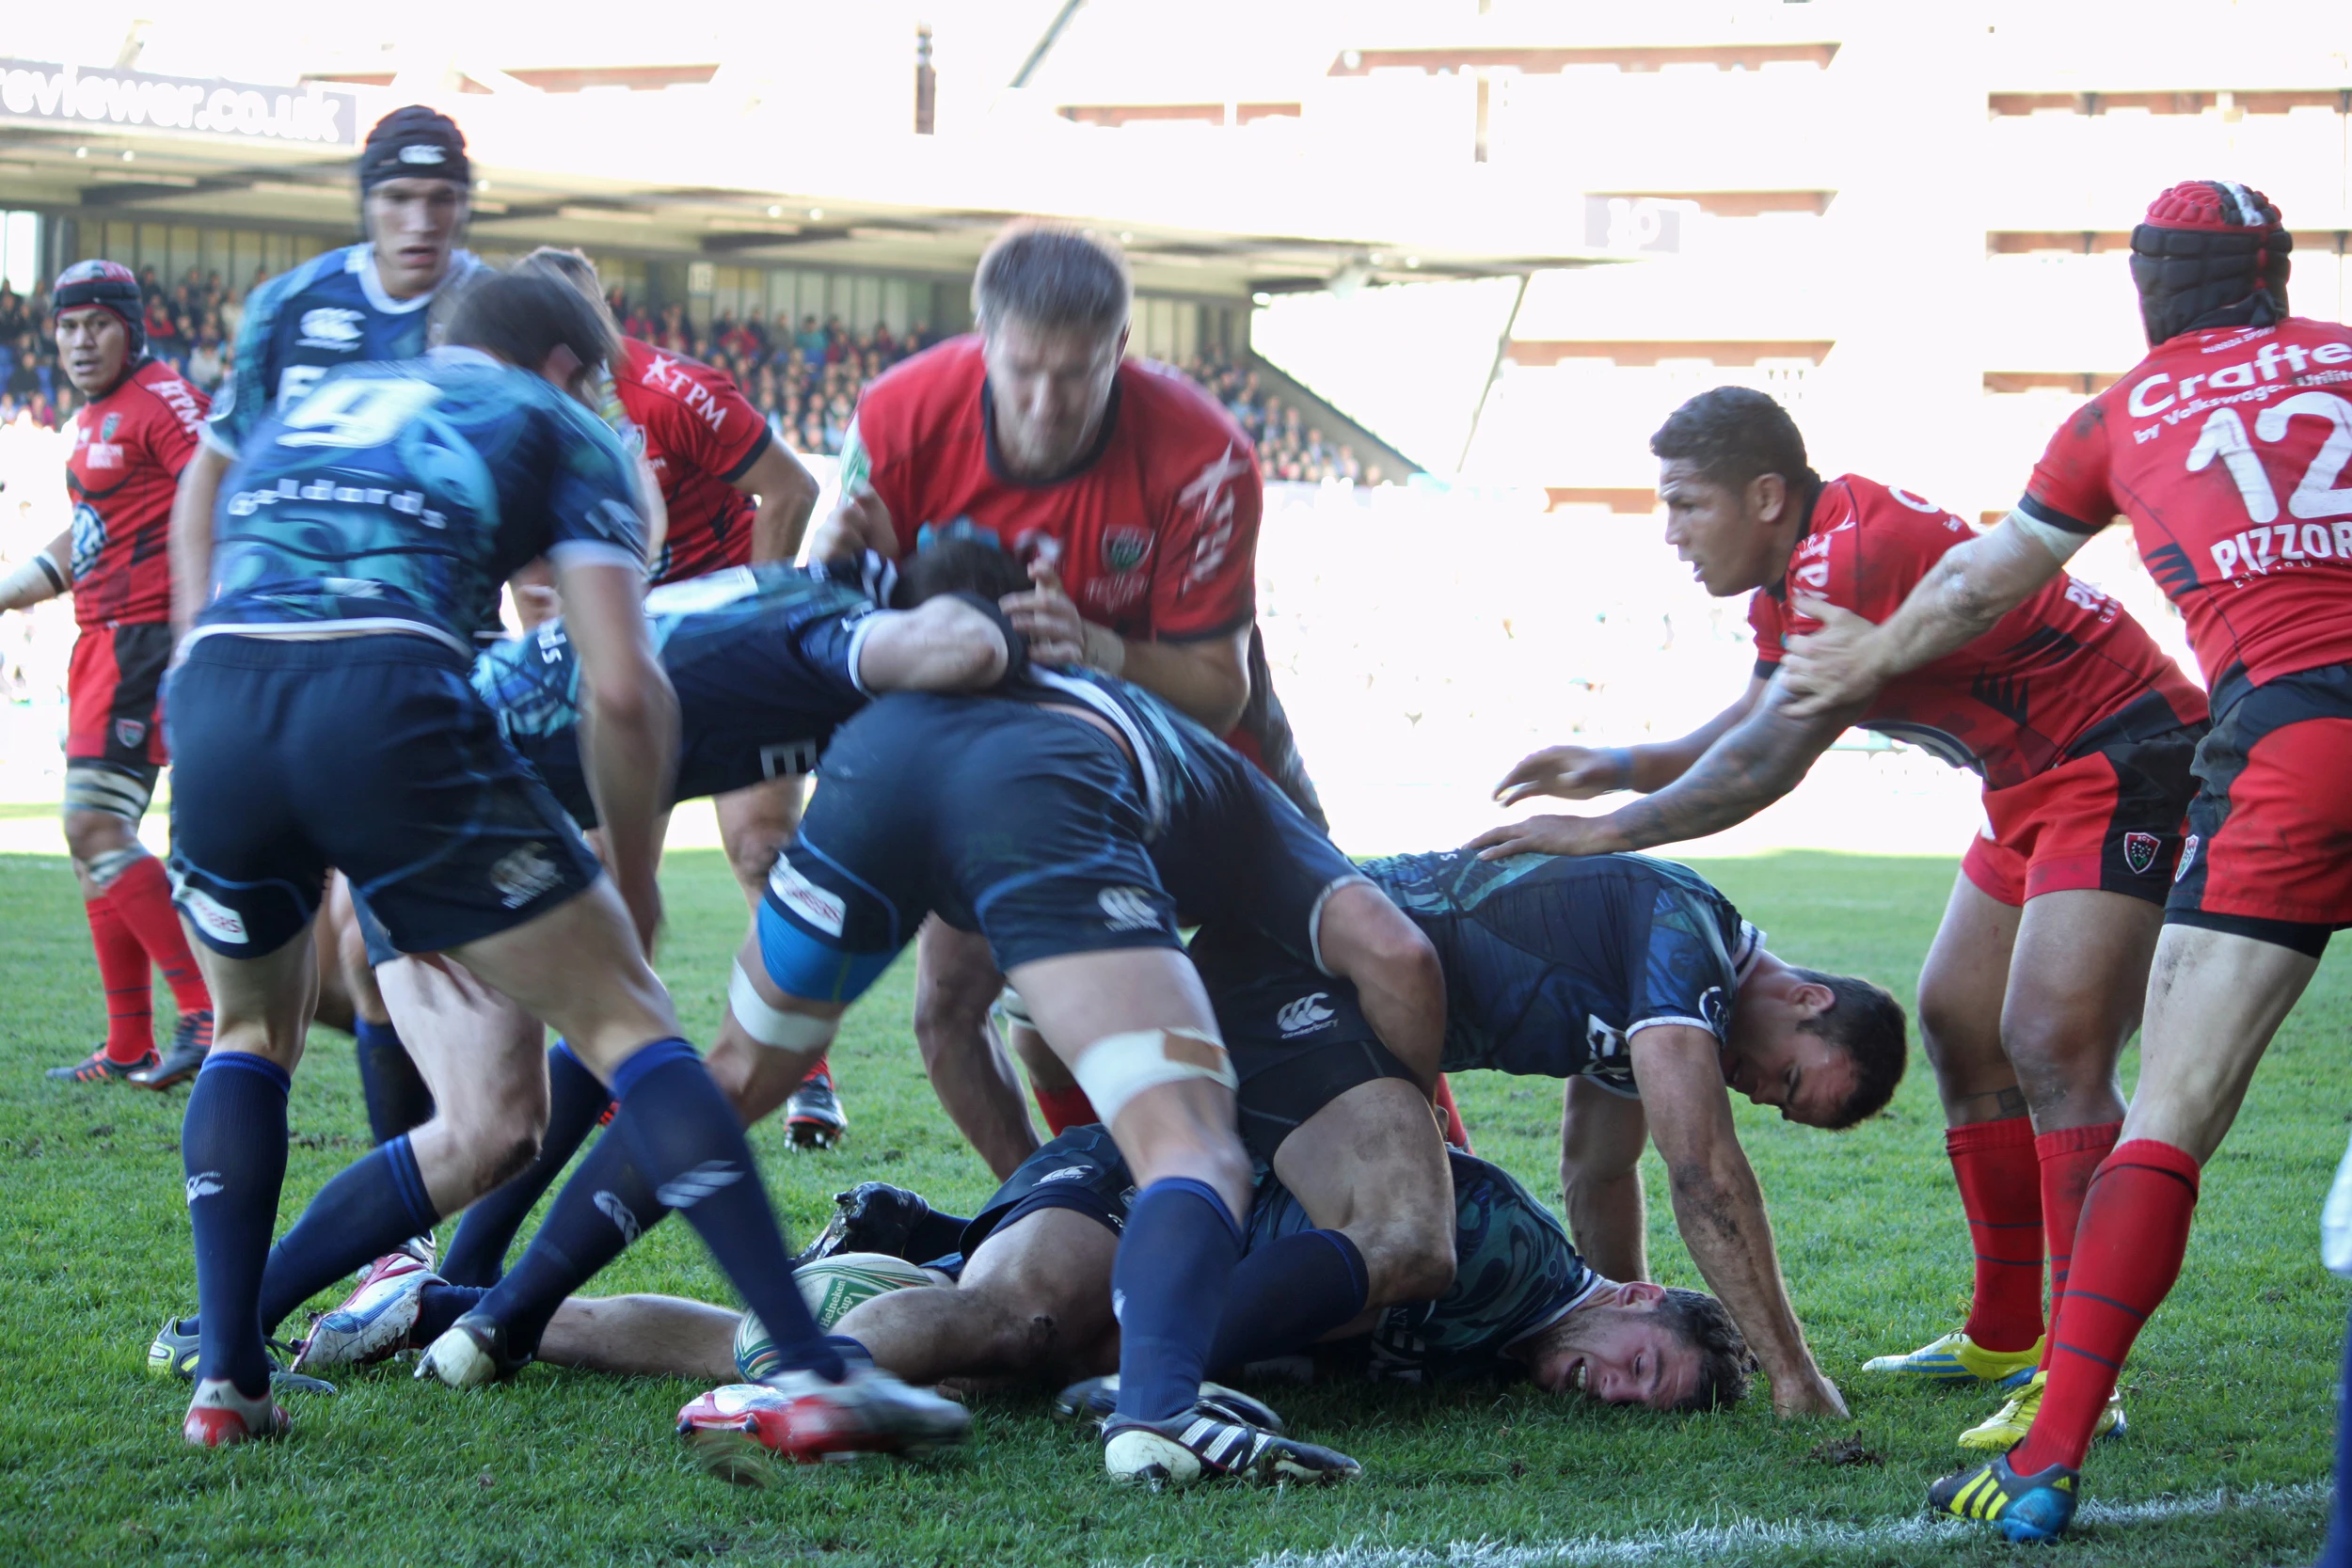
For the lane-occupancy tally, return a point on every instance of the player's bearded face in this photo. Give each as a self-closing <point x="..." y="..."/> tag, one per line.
<point x="414" y="223"/>
<point x="1726" y="534"/>
<point x="92" y="344"/>
<point x="1048" y="386"/>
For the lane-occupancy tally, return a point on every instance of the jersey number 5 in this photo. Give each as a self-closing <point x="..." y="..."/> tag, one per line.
<point x="355" y="411"/>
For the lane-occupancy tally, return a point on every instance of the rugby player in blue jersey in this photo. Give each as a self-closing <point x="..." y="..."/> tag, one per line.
<point x="363" y="302"/>
<point x="322" y="718"/>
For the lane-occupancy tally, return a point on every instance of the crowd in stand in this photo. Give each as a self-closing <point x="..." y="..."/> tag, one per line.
<point x="804" y="380"/>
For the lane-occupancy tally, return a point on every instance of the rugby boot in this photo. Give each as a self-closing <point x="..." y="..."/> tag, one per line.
<point x="96" y="1068"/>
<point x="191" y="1042"/>
<point x="1957" y="1358"/>
<point x="1202" y="1445"/>
<point x="374" y="1321"/>
<point x="2023" y="1507"/>
<point x="219" y="1415"/>
<point x="474" y="1352"/>
<point x="2006" y="1427"/>
<point x="872" y="1216"/>
<point x="814" y="1117"/>
<point x="172" y="1353"/>
<point x="1097" y="1398"/>
<point x="738" y="1431"/>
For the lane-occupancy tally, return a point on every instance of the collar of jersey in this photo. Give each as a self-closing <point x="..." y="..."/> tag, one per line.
<point x="359" y="260"/>
<point x="1085" y="459"/>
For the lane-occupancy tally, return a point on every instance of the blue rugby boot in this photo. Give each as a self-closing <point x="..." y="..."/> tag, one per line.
<point x="2026" y="1509"/>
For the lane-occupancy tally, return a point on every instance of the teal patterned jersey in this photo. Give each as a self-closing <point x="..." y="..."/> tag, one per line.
<point x="400" y="496"/>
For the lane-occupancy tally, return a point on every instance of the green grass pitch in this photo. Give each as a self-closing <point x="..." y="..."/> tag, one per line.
<point x="2230" y="1395"/>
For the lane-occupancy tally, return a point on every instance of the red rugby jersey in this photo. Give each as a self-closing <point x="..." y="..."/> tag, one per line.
<point x="2227" y="451"/>
<point x="2064" y="673"/>
<point x="129" y="448"/>
<point x="701" y="437"/>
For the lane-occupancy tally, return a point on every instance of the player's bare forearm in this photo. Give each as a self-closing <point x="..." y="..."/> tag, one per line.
<point x="942" y="645"/>
<point x="972" y="1076"/>
<point x="628" y="726"/>
<point x="787" y="494"/>
<point x="1601" y="1139"/>
<point x="45" y="577"/>
<point x="1759" y="760"/>
<point x="192" y="535"/>
<point x="1208" y="680"/>
<point x="1581" y="772"/>
<point x="1720" y="1209"/>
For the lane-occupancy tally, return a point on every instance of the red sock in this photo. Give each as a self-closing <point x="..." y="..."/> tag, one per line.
<point x="143" y="894"/>
<point x="2001" y="1190"/>
<point x="1455" y="1133"/>
<point x="2068" y="1160"/>
<point x="123" y="972"/>
<point x="2127" y="1253"/>
<point x="1064" y="1108"/>
<point x="822" y="1069"/>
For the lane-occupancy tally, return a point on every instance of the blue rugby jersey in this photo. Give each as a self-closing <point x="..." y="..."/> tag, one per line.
<point x="1553" y="962"/>
<point x="309" y="321"/>
<point x="402" y="496"/>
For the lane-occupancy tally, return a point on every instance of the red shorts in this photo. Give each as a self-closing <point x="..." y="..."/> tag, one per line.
<point x="114" y="697"/>
<point x="2110" y="820"/>
<point x="2270" y="832"/>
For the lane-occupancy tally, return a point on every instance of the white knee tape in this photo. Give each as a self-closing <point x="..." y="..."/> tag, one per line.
<point x="1015" y="1011"/>
<point x="1117" y="1067"/>
<point x="773" y="1026"/>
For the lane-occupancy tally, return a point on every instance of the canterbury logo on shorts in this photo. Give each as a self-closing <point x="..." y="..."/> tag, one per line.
<point x="1128" y="908"/>
<point x="1305" y="1016"/>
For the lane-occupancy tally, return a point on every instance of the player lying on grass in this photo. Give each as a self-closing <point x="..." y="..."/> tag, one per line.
<point x="1631" y="979"/>
<point x="322" y="718"/>
<point x="2082" y="730"/>
<point x="1067" y="819"/>
<point x="1023" y="1290"/>
<point x="2226" y="448"/>
<point x="766" y="662"/>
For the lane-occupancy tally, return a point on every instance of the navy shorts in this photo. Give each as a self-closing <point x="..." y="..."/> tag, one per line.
<point x="1002" y="817"/>
<point x="1081" y="1170"/>
<point x="1297" y="1037"/>
<point x="1245" y="855"/>
<point x="370" y="754"/>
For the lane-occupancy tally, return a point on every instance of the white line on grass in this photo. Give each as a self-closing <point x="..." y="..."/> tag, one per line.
<point x="1748" y="1537"/>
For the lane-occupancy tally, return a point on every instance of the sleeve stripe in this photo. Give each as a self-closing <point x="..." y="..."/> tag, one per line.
<point x="758" y="449"/>
<point x="2043" y="512"/>
<point x="1633" y="1029"/>
<point x="594" y="552"/>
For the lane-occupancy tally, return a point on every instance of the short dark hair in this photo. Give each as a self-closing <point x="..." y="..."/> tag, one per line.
<point x="522" y="317"/>
<point x="1869" y="1025"/>
<point x="1724" y="1360"/>
<point x="570" y="266"/>
<point x="959" y="566"/>
<point x="1052" y="275"/>
<point x="1734" y="434"/>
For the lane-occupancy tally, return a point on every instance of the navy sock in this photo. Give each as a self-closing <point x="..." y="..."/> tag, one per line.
<point x="1169" y="1285"/>
<point x="377" y="1202"/>
<point x="232" y="1146"/>
<point x="440" y="1306"/>
<point x="2337" y="1553"/>
<point x="606" y="1205"/>
<point x="1285" y="1297"/>
<point x="397" y="1101"/>
<point x="683" y="1134"/>
<point x="576" y="1098"/>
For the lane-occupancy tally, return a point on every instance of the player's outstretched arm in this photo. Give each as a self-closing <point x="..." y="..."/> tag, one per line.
<point x="192" y="533"/>
<point x="628" y="723"/>
<point x="1720" y="1209"/>
<point x="1758" y="762"/>
<point x="1581" y="772"/>
<point x="1964" y="592"/>
<point x="47" y="574"/>
<point x="1601" y="1139"/>
<point x="943" y="644"/>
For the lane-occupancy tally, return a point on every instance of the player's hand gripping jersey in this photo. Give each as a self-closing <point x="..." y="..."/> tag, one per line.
<point x="401" y="497"/>
<point x="2227" y="450"/>
<point x="129" y="448"/>
<point x="1153" y="531"/>
<point x="701" y="435"/>
<point x="2063" y="675"/>
<point x="311" y="320"/>
<point x="764" y="660"/>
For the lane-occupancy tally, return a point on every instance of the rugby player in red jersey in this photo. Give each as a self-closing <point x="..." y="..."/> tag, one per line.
<point x="2082" y="730"/>
<point x="734" y="494"/>
<point x="131" y="441"/>
<point x="1136" y="501"/>
<point x="2226" y="448"/>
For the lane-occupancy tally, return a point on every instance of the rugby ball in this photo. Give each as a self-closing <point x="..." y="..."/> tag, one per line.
<point x="830" y="1285"/>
